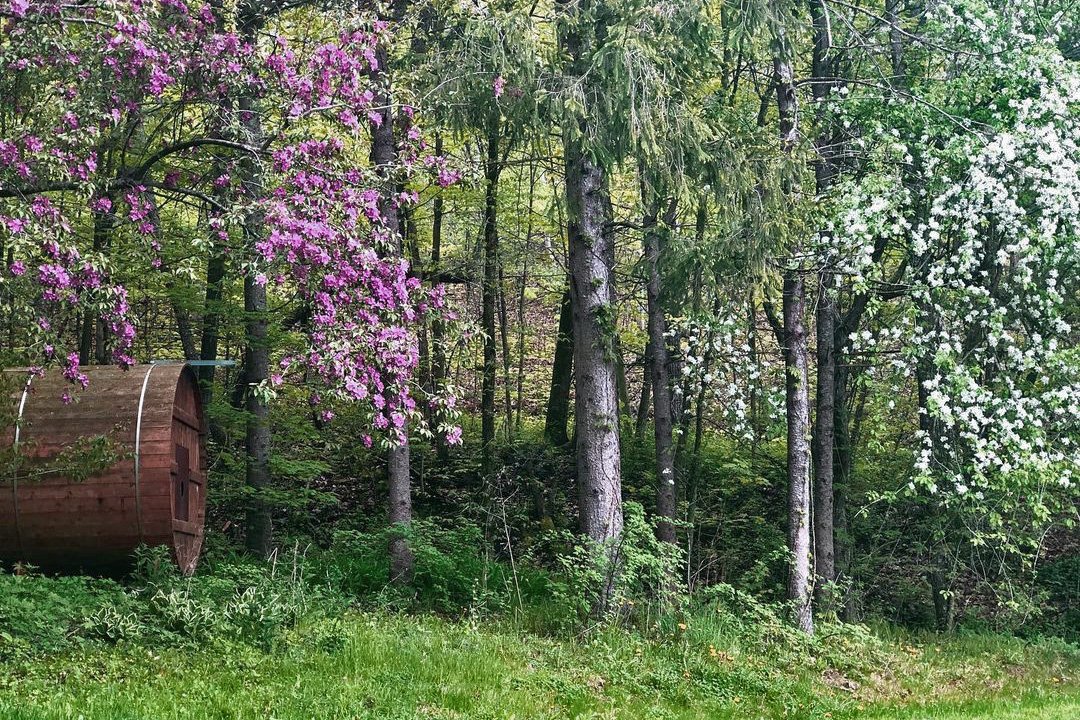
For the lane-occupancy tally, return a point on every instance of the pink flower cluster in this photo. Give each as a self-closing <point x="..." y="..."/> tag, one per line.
<point x="326" y="237"/>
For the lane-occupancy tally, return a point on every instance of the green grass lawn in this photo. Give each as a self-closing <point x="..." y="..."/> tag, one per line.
<point x="402" y="667"/>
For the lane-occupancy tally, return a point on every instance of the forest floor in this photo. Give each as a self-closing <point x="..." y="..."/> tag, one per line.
<point x="398" y="667"/>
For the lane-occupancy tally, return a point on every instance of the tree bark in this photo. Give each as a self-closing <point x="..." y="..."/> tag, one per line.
<point x="211" y="325"/>
<point x="92" y="335"/>
<point x="520" y="389"/>
<point x="489" y="292"/>
<point x="824" y="550"/>
<point x="504" y="334"/>
<point x="641" y="422"/>
<point x="592" y="259"/>
<point x="794" y="340"/>
<point x="259" y="527"/>
<point x="257" y="437"/>
<point x="596" y="387"/>
<point x="438" y="329"/>
<point x="800" y="581"/>
<point x="659" y="372"/>
<point x="383" y="155"/>
<point x="562" y="376"/>
<point x="825" y="420"/>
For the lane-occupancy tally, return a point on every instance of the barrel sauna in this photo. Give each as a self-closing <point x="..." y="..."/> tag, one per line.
<point x="154" y="494"/>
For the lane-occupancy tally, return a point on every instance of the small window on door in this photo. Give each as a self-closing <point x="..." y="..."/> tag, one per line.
<point x="182" y="482"/>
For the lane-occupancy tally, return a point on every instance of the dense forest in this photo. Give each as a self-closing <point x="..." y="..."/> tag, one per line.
<point x="567" y="317"/>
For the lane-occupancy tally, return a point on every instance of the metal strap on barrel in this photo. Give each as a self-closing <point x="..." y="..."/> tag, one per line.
<point x="15" y="472"/>
<point x="138" y="442"/>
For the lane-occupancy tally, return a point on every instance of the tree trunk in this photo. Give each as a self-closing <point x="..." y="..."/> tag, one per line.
<point x="211" y="325"/>
<point x="800" y="581"/>
<point x="824" y="550"/>
<point x="438" y="329"/>
<point x="256" y="371"/>
<point x="621" y="386"/>
<point x="256" y="348"/>
<point x="92" y="335"/>
<point x="659" y="373"/>
<point x="592" y="260"/>
<point x="520" y="389"/>
<point x="489" y="291"/>
<point x="399" y="482"/>
<point x="641" y="422"/>
<point x="844" y="555"/>
<point x="504" y="334"/>
<point x="562" y="375"/>
<point x="596" y="387"/>
<point x="183" y="329"/>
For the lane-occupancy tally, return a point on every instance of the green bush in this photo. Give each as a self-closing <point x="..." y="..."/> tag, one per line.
<point x="455" y="571"/>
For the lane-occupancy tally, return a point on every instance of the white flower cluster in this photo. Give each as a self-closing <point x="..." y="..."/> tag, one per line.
<point x="988" y="213"/>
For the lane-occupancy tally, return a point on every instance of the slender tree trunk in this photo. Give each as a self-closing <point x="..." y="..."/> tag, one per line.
<point x="504" y="335"/>
<point x="842" y="475"/>
<point x="824" y="550"/>
<point x="521" y="339"/>
<point x="641" y="422"/>
<point x="399" y="481"/>
<point x="92" y="335"/>
<point x="211" y="325"/>
<point x="659" y="369"/>
<point x="183" y="329"/>
<point x="562" y="375"/>
<point x="256" y="371"/>
<point x="521" y="298"/>
<point x="412" y="242"/>
<point x="489" y="292"/>
<point x="439" y="368"/>
<point x="800" y="579"/>
<point x="621" y="384"/>
<point x="256" y="347"/>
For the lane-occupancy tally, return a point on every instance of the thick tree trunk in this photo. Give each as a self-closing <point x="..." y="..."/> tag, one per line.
<point x="489" y="292"/>
<point x="596" y="388"/>
<point x="399" y="482"/>
<point x="659" y="374"/>
<point x="800" y="581"/>
<point x="562" y="376"/>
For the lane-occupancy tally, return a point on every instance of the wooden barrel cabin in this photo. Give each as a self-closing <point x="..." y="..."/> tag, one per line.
<point x="122" y="464"/>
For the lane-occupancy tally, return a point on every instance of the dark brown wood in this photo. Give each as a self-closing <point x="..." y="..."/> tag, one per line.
<point x="154" y="494"/>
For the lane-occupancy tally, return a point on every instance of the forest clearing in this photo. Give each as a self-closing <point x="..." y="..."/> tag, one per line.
<point x="548" y="359"/>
